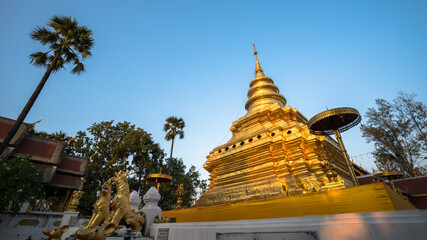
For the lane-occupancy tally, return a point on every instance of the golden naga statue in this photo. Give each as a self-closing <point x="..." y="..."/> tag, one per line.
<point x="122" y="214"/>
<point x="96" y="233"/>
<point x="101" y="213"/>
<point x="75" y="198"/>
<point x="55" y="233"/>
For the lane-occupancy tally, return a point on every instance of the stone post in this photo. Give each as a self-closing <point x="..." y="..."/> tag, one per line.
<point x="69" y="218"/>
<point x="134" y="201"/>
<point x="151" y="209"/>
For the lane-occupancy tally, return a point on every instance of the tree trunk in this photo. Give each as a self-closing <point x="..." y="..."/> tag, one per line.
<point x="139" y="176"/>
<point x="170" y="158"/>
<point x="29" y="104"/>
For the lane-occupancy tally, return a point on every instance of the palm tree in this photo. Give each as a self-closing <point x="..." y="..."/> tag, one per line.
<point x="68" y="43"/>
<point x="173" y="127"/>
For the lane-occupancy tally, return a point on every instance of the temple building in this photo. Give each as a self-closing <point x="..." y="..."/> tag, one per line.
<point x="62" y="173"/>
<point x="271" y="153"/>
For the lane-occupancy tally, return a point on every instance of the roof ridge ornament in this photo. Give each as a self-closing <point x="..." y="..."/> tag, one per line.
<point x="35" y="123"/>
<point x="258" y="69"/>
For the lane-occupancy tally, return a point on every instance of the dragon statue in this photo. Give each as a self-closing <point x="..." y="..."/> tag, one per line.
<point x="104" y="222"/>
<point x="121" y="212"/>
<point x="101" y="212"/>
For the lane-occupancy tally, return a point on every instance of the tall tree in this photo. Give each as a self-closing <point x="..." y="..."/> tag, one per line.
<point x="414" y="112"/>
<point x="398" y="131"/>
<point x="174" y="126"/>
<point x="68" y="43"/>
<point x="112" y="147"/>
<point x="20" y="182"/>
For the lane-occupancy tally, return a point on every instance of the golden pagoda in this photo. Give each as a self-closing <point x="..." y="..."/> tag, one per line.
<point x="272" y="153"/>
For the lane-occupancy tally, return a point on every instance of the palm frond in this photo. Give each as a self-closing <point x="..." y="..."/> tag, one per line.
<point x="180" y="133"/>
<point x="78" y="69"/>
<point x="70" y="56"/>
<point x="56" y="47"/>
<point x="63" y="25"/>
<point x="86" y="53"/>
<point x="39" y="59"/>
<point x="43" y="35"/>
<point x="59" y="64"/>
<point x="65" y="38"/>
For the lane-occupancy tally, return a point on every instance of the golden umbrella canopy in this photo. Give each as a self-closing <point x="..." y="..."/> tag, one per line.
<point x="334" y="121"/>
<point x="159" y="178"/>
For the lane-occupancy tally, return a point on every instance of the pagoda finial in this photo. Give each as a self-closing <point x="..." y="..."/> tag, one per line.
<point x="258" y="69"/>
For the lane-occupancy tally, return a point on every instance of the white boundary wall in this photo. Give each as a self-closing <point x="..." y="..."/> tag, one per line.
<point x="11" y="229"/>
<point x="407" y="224"/>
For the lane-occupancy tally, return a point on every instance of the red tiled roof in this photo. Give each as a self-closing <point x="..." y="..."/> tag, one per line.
<point x="36" y="148"/>
<point x="415" y="186"/>
<point x="65" y="181"/>
<point x="4" y="129"/>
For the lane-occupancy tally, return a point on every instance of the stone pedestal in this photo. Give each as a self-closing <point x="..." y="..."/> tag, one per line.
<point x="151" y="209"/>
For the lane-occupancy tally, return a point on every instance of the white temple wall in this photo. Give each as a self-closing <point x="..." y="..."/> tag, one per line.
<point x="407" y="224"/>
<point x="21" y="225"/>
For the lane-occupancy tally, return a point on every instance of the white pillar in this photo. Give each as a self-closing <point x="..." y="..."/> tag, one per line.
<point x="151" y="209"/>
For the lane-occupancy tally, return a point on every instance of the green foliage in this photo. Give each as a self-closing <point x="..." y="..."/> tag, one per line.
<point x="398" y="131"/>
<point x="66" y="40"/>
<point x="20" y="182"/>
<point x="112" y="147"/>
<point x="189" y="179"/>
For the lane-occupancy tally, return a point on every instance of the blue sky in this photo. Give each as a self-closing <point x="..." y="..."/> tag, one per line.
<point x="194" y="59"/>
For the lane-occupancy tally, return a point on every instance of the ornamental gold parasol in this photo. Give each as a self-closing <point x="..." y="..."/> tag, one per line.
<point x="390" y="176"/>
<point x="334" y="121"/>
<point x="159" y="178"/>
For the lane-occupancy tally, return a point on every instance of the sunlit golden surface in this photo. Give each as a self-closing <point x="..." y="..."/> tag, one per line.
<point x="366" y="198"/>
<point x="272" y="153"/>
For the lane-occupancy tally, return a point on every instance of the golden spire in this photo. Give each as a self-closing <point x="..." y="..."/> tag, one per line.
<point x="262" y="91"/>
<point x="258" y="69"/>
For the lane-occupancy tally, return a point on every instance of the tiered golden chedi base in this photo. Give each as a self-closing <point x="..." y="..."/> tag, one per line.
<point x="272" y="153"/>
<point x="373" y="197"/>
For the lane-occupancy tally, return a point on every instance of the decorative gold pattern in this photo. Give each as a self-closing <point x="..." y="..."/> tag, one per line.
<point x="29" y="222"/>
